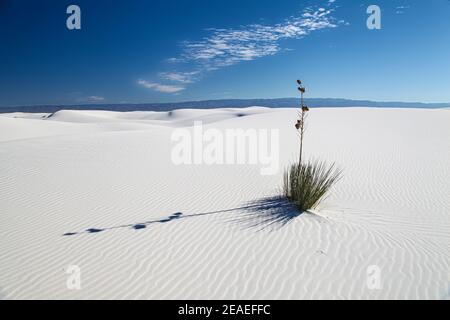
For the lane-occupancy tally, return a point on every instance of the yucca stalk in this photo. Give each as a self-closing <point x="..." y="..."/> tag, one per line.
<point x="306" y="184"/>
<point x="300" y="125"/>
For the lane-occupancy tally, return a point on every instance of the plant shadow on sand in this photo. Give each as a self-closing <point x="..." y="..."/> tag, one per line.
<point x="266" y="213"/>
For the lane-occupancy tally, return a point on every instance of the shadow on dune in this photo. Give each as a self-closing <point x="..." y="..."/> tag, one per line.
<point x="267" y="213"/>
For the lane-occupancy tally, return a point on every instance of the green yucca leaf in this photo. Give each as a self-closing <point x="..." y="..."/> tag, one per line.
<point x="306" y="184"/>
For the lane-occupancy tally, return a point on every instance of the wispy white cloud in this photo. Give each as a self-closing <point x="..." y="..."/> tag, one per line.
<point x="160" y="87"/>
<point x="226" y="47"/>
<point x="95" y="99"/>
<point x="183" y="77"/>
<point x="230" y="46"/>
<point x="401" y="9"/>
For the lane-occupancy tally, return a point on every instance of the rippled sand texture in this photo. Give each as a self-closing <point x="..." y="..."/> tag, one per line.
<point x="97" y="189"/>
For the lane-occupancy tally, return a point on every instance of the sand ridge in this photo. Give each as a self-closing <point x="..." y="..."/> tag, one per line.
<point x="140" y="227"/>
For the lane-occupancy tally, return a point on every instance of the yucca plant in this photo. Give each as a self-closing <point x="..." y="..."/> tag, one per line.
<point x="306" y="184"/>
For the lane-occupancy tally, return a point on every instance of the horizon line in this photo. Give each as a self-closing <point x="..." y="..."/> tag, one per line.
<point x="207" y="100"/>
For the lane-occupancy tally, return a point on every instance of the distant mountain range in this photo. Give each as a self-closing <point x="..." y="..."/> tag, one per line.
<point x="228" y="103"/>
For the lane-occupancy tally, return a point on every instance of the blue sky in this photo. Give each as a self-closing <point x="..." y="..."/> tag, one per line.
<point x="162" y="51"/>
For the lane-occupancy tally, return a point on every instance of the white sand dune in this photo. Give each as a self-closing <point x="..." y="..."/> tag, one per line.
<point x="77" y="170"/>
